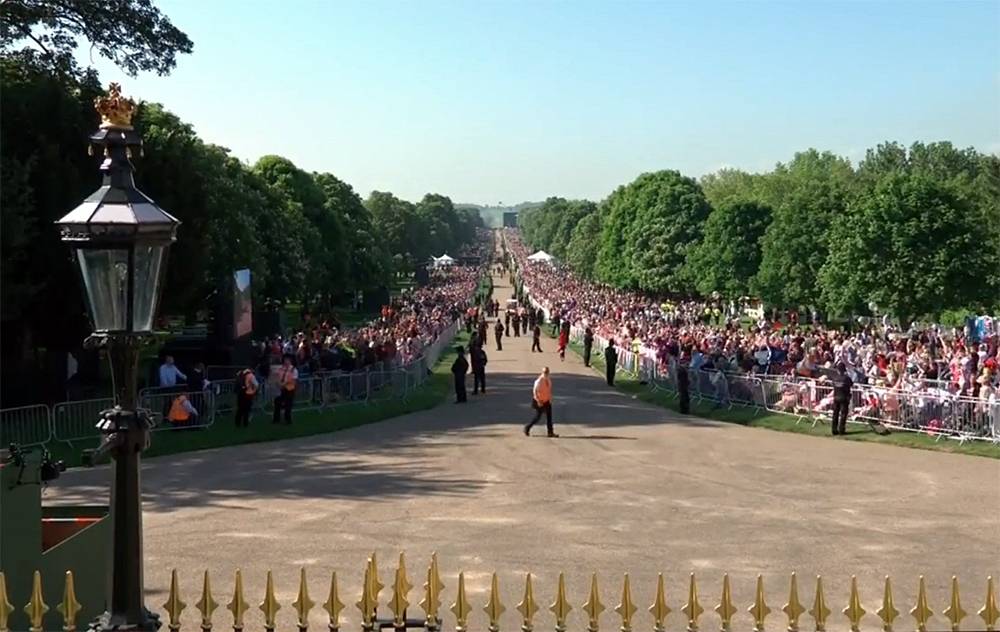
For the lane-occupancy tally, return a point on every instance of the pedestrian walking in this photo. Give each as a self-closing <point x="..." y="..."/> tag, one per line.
<point x="459" y="368"/>
<point x="588" y="345"/>
<point x="288" y="377"/>
<point x="478" y="357"/>
<point x="506" y="318"/>
<point x="536" y="339"/>
<point x="246" y="390"/>
<point x="611" y="361"/>
<point x="498" y="333"/>
<point x="842" y="385"/>
<point x="541" y="401"/>
<point x="517" y="323"/>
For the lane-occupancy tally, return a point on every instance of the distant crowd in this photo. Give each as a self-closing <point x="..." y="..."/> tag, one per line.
<point x="711" y="335"/>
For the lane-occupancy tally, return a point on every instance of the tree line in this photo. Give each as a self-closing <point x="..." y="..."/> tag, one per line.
<point x="307" y="237"/>
<point x="914" y="232"/>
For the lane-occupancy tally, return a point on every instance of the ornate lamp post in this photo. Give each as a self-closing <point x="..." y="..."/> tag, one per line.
<point x="120" y="238"/>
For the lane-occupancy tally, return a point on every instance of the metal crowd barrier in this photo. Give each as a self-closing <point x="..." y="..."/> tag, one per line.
<point x="25" y="425"/>
<point x="77" y="421"/>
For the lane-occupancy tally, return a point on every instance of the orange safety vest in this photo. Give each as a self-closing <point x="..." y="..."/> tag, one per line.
<point x="178" y="414"/>
<point x="248" y="385"/>
<point x="287" y="379"/>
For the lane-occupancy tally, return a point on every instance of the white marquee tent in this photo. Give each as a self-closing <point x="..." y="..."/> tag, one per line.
<point x="443" y="260"/>
<point x="541" y="256"/>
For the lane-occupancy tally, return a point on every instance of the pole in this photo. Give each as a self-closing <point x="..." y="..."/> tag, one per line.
<point x="128" y="434"/>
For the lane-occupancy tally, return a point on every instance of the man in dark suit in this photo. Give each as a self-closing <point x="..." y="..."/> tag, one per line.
<point x="842" y="385"/>
<point x="459" y="368"/>
<point x="478" y="357"/>
<point x="588" y="344"/>
<point x="498" y="333"/>
<point x="611" y="361"/>
<point x="536" y="338"/>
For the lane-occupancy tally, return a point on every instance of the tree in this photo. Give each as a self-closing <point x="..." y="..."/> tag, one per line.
<point x="911" y="245"/>
<point x="729" y="255"/>
<point x="570" y="215"/>
<point x="131" y="33"/>
<point x="806" y="195"/>
<point x="584" y="241"/>
<point x="398" y="226"/>
<point x="649" y="225"/>
<point x="368" y="265"/>
<point x="730" y="185"/>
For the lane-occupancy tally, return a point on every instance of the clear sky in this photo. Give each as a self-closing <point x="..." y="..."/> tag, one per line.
<point x="509" y="101"/>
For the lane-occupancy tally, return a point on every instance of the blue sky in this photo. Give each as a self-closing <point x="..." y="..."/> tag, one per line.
<point x="511" y="101"/>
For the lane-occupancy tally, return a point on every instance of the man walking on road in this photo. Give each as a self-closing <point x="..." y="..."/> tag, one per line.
<point x="541" y="401"/>
<point x="498" y="332"/>
<point x="536" y="339"/>
<point x="611" y="361"/>
<point x="478" y="357"/>
<point x="842" y="385"/>
<point x="459" y="368"/>
<point x="588" y="345"/>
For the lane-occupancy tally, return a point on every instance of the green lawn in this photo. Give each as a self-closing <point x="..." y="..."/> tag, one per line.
<point x="305" y="423"/>
<point x="747" y="416"/>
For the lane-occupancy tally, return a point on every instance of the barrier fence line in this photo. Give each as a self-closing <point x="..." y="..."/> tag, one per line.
<point x="396" y="614"/>
<point x="73" y="421"/>
<point x="937" y="412"/>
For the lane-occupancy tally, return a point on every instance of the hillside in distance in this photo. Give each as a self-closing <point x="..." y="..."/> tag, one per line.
<point x="493" y="214"/>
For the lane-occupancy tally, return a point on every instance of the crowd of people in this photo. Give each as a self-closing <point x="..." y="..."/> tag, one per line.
<point x="709" y="335"/>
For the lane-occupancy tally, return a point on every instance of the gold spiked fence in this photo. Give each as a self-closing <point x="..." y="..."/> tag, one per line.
<point x="689" y="617"/>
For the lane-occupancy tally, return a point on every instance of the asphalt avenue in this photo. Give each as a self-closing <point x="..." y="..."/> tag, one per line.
<point x="627" y="487"/>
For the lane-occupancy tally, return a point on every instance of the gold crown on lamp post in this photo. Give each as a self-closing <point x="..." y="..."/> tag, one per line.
<point x="116" y="111"/>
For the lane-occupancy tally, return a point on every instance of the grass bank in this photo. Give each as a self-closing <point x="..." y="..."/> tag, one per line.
<point x="305" y="423"/>
<point x="747" y="416"/>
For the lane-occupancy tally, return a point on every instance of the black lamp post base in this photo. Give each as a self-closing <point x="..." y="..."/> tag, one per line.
<point x="148" y="622"/>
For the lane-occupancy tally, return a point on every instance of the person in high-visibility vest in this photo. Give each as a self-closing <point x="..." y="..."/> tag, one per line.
<point x="288" y="377"/>
<point x="246" y="390"/>
<point x="182" y="413"/>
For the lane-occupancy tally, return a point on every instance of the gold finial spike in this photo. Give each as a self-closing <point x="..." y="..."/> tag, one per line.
<point x="400" y="588"/>
<point x="887" y="612"/>
<point x="377" y="584"/>
<point x="527" y="607"/>
<point x="692" y="608"/>
<point x="819" y="610"/>
<point x="173" y="607"/>
<point x="36" y="608"/>
<point x="238" y="604"/>
<point x="854" y="611"/>
<point x="726" y="609"/>
<point x="333" y="605"/>
<point x="560" y="607"/>
<point x="793" y="609"/>
<point x="659" y="609"/>
<point x="206" y="605"/>
<point x="461" y="607"/>
<point x="921" y="611"/>
<point x="954" y="610"/>
<point x="366" y="604"/>
<point x="758" y="609"/>
<point x="270" y="605"/>
<point x="626" y="609"/>
<point x="69" y="607"/>
<point x="6" y="607"/>
<point x="303" y="604"/>
<point x="431" y="603"/>
<point x="989" y="613"/>
<point x="493" y="607"/>
<point x="593" y="607"/>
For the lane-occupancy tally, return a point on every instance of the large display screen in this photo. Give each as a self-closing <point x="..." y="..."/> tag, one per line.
<point x="242" y="304"/>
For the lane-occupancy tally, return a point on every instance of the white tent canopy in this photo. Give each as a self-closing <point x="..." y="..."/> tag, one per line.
<point x="443" y="260"/>
<point x="541" y="255"/>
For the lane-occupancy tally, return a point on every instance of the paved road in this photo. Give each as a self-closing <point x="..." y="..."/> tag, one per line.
<point x="628" y="487"/>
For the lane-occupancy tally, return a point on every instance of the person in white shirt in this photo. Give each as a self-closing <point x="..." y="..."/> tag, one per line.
<point x="169" y="373"/>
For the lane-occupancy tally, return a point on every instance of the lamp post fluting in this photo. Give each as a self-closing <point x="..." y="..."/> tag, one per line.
<point x="120" y="239"/>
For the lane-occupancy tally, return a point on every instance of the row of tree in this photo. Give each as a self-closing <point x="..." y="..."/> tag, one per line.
<point x="307" y="237"/>
<point x="915" y="232"/>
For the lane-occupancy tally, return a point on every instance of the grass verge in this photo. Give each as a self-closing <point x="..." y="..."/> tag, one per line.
<point x="304" y="423"/>
<point x="747" y="416"/>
